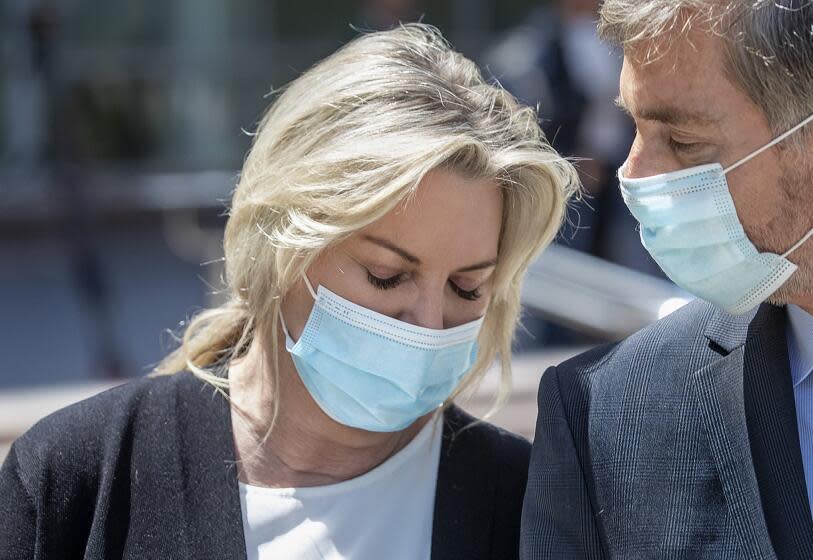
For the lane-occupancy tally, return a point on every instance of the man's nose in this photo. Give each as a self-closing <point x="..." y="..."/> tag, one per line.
<point x="645" y="160"/>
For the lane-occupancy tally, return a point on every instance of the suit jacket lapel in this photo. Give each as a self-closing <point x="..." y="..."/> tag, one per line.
<point x="770" y="411"/>
<point x="463" y="519"/>
<point x="719" y="389"/>
<point x="212" y="512"/>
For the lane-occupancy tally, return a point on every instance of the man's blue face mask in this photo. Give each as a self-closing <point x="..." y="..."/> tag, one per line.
<point x="690" y="227"/>
<point x="370" y="371"/>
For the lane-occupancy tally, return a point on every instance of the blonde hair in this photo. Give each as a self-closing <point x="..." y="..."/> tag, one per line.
<point x="341" y="147"/>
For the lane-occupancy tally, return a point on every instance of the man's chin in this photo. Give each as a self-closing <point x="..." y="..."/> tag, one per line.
<point x="776" y="302"/>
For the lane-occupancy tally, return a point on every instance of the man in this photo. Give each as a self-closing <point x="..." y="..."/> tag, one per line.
<point x="694" y="437"/>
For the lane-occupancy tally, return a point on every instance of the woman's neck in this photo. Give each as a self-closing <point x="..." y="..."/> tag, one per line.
<point x="306" y="447"/>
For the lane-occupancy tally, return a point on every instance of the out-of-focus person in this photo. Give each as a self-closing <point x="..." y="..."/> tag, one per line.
<point x="694" y="437"/>
<point x="380" y="15"/>
<point x="556" y="60"/>
<point x="374" y="252"/>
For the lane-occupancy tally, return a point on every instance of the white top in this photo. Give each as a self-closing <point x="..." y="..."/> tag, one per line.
<point x="385" y="513"/>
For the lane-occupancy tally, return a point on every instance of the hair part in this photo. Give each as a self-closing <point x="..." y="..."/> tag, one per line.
<point x="770" y="44"/>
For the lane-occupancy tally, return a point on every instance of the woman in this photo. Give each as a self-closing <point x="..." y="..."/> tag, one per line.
<point x="384" y="218"/>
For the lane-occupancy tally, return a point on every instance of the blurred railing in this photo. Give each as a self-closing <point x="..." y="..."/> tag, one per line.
<point x="597" y="297"/>
<point x="39" y="199"/>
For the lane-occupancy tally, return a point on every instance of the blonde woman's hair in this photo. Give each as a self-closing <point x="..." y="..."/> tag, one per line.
<point x="342" y="146"/>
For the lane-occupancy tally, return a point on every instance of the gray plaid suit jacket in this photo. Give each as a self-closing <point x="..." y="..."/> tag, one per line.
<point x="679" y="442"/>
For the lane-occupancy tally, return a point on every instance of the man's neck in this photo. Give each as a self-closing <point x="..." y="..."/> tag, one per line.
<point x="805" y="303"/>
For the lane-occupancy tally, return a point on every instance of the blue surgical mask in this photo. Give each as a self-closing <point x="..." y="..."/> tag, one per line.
<point x="370" y="371"/>
<point x="690" y="227"/>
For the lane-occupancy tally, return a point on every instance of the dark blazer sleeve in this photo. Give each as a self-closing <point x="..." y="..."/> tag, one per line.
<point x="558" y="520"/>
<point x="481" y="483"/>
<point x="511" y="481"/>
<point x="18" y="514"/>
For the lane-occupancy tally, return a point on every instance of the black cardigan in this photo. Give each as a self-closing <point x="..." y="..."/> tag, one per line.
<point x="146" y="470"/>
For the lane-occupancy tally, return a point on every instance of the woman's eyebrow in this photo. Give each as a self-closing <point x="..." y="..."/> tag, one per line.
<point x="409" y="257"/>
<point x="480" y="266"/>
<point x="403" y="253"/>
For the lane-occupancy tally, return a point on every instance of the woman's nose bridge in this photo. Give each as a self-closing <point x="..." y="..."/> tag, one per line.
<point x="427" y="309"/>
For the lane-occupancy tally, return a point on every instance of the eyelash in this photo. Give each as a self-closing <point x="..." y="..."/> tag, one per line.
<point x="473" y="295"/>
<point x="685" y="148"/>
<point x="384" y="283"/>
<point x="394" y="281"/>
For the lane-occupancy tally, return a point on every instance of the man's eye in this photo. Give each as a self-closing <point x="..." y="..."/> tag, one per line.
<point x="686" y="147"/>
<point x="384" y="283"/>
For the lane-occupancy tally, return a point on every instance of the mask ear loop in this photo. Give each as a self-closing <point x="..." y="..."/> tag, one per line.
<point x="309" y="285"/>
<point x="313" y="294"/>
<point x="804" y="240"/>
<point x="748" y="158"/>
<point x="773" y="143"/>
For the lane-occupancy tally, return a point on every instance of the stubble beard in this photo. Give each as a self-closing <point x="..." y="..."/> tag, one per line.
<point x="797" y="183"/>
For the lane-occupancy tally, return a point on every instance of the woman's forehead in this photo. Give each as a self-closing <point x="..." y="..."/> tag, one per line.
<point x="450" y="219"/>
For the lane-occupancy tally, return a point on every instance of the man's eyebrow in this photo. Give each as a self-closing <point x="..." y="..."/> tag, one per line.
<point x="409" y="257"/>
<point x="668" y="115"/>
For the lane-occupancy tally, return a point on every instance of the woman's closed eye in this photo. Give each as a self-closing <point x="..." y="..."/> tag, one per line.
<point x="394" y="281"/>
<point x="469" y="295"/>
<point x="385" y="283"/>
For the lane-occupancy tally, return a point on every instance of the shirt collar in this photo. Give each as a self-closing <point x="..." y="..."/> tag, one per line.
<point x="800" y="344"/>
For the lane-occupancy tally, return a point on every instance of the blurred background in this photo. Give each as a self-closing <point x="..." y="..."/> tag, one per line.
<point x="122" y="129"/>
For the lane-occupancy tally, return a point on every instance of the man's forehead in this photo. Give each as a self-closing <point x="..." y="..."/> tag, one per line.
<point x="680" y="97"/>
<point x="672" y="113"/>
<point x="687" y="85"/>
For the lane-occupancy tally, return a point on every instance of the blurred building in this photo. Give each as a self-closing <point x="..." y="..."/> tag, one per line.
<point x="122" y="130"/>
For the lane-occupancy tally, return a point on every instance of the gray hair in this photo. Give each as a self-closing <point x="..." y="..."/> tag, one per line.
<point x="770" y="52"/>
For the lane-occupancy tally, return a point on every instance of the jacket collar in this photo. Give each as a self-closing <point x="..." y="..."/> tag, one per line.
<point x="727" y="331"/>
